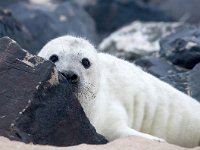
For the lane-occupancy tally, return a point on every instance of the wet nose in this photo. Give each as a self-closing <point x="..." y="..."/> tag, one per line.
<point x="71" y="76"/>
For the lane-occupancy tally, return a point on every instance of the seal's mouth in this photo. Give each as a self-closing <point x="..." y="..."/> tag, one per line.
<point x="72" y="77"/>
<point x="81" y="89"/>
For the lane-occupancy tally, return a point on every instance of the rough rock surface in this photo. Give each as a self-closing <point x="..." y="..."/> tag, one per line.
<point x="182" y="47"/>
<point x="130" y="143"/>
<point x="159" y="67"/>
<point x="187" y="12"/>
<point x="184" y="80"/>
<point x="52" y="20"/>
<point x="112" y="14"/>
<point x="137" y="39"/>
<point x="187" y="82"/>
<point x="83" y="3"/>
<point x="179" y="81"/>
<point x="194" y="82"/>
<point x="5" y="3"/>
<point x="11" y="27"/>
<point x="36" y="102"/>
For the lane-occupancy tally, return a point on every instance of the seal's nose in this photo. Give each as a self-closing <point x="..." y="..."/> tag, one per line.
<point x="71" y="76"/>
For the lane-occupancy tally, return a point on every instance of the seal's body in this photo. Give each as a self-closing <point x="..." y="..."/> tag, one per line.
<point x="122" y="100"/>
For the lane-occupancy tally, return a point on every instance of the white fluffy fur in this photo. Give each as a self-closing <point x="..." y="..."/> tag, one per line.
<point x="122" y="100"/>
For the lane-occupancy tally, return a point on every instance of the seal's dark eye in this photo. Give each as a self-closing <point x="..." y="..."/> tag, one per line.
<point x="86" y="63"/>
<point x="53" y="58"/>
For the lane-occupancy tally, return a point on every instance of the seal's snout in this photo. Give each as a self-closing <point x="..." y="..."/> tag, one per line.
<point x="71" y="77"/>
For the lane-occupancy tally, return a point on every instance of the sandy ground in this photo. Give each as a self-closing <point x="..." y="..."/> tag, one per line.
<point x="129" y="143"/>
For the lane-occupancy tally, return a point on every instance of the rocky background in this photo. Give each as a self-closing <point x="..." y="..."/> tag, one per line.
<point x="160" y="36"/>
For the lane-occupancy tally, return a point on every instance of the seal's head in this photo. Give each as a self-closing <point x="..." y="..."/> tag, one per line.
<point x="77" y="60"/>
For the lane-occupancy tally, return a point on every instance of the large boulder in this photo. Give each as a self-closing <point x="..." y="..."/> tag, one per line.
<point x="161" y="68"/>
<point x="157" y="66"/>
<point x="36" y="102"/>
<point x="136" y="39"/>
<point x="5" y="3"/>
<point x="194" y="82"/>
<point x="11" y="27"/>
<point x="182" y="47"/>
<point x="179" y="81"/>
<point x="54" y="19"/>
<point x="187" y="82"/>
<point x="182" y="79"/>
<point x="83" y="3"/>
<point x="187" y="11"/>
<point x="110" y="15"/>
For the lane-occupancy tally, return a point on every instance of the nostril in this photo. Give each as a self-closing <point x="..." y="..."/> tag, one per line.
<point x="71" y="76"/>
<point x="74" y="78"/>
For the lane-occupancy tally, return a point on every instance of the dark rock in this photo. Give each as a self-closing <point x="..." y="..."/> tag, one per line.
<point x="137" y="39"/>
<point x="82" y="3"/>
<point x="46" y="22"/>
<point x="112" y="14"/>
<point x="5" y="3"/>
<point x="183" y="80"/>
<point x="36" y="102"/>
<point x="179" y="81"/>
<point x="11" y="27"/>
<point x="158" y="67"/>
<point x="187" y="12"/>
<point x="164" y="70"/>
<point x="194" y="82"/>
<point x="182" y="47"/>
<point x="187" y="82"/>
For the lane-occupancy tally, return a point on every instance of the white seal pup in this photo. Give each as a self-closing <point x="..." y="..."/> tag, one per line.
<point x="122" y="100"/>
